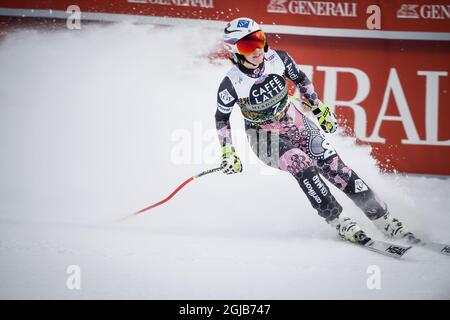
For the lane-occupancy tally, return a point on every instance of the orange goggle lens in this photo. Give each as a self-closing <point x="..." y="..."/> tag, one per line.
<point x="248" y="44"/>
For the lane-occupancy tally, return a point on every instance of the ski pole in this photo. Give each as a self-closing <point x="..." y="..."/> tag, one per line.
<point x="176" y="190"/>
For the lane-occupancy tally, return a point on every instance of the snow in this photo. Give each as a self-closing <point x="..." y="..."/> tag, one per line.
<point x="100" y="122"/>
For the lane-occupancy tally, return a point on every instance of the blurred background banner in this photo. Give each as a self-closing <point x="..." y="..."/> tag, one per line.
<point x="384" y="65"/>
<point x="397" y="15"/>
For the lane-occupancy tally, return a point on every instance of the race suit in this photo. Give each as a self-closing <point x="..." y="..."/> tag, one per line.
<point x="284" y="138"/>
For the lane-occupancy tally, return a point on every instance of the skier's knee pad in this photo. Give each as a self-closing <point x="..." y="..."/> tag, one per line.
<point x="365" y="198"/>
<point x="355" y="185"/>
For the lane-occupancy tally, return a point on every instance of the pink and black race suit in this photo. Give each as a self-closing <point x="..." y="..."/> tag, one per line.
<point x="284" y="138"/>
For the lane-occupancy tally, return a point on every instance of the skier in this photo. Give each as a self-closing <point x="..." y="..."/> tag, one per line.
<point x="283" y="137"/>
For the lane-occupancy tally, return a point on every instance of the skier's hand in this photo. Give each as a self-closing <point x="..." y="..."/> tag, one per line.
<point x="230" y="161"/>
<point x="326" y="118"/>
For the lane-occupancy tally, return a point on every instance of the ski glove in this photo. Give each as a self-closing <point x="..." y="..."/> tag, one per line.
<point x="326" y="118"/>
<point x="230" y="161"/>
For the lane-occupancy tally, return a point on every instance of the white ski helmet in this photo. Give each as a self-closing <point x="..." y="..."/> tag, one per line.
<point x="238" y="29"/>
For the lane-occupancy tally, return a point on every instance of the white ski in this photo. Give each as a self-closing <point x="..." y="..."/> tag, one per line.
<point x="383" y="247"/>
<point x="386" y="248"/>
<point x="438" y="247"/>
<point x="430" y="245"/>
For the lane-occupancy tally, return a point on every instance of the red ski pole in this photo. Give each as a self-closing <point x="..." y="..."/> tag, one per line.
<point x="176" y="190"/>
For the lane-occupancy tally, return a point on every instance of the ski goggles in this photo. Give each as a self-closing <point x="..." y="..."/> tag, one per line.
<point x="249" y="43"/>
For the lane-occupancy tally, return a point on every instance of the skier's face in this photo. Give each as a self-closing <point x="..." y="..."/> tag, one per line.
<point x="256" y="57"/>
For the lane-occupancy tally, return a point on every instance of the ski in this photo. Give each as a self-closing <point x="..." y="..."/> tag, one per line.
<point x="430" y="245"/>
<point x="382" y="247"/>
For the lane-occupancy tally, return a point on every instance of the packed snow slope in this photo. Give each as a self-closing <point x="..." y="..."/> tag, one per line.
<point x="100" y="122"/>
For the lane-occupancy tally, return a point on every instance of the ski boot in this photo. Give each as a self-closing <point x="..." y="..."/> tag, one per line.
<point x="348" y="230"/>
<point x="392" y="228"/>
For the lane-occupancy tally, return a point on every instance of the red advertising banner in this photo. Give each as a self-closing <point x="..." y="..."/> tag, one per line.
<point x="396" y="15"/>
<point x="392" y="94"/>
